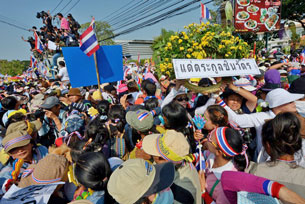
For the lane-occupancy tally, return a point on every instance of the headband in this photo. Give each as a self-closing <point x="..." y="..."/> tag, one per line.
<point x="16" y="140"/>
<point x="224" y="145"/>
<point x="167" y="154"/>
<point x="71" y="134"/>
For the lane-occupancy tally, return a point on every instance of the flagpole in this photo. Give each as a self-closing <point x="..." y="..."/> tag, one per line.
<point x="97" y="75"/>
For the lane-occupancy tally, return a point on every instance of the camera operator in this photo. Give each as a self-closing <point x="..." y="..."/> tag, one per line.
<point x="53" y="120"/>
<point x="46" y="19"/>
<point x="74" y="25"/>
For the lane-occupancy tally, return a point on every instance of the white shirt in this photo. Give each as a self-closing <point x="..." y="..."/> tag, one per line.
<point x="256" y="120"/>
<point x="63" y="73"/>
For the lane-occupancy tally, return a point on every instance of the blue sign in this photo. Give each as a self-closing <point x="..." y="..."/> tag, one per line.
<point x="81" y="68"/>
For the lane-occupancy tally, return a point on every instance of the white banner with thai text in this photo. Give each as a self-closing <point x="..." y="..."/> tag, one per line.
<point x="36" y="194"/>
<point x="203" y="68"/>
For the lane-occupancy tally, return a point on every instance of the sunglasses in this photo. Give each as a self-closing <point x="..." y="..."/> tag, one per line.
<point x="182" y="99"/>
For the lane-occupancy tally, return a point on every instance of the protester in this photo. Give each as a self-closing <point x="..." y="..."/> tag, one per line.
<point x="63" y="73"/>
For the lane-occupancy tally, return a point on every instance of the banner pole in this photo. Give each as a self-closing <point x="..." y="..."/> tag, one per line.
<point x="97" y="75"/>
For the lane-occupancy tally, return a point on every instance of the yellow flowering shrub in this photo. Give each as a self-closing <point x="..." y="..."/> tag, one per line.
<point x="200" y="41"/>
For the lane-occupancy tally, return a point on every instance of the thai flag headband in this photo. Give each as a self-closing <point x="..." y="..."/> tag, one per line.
<point x="223" y="143"/>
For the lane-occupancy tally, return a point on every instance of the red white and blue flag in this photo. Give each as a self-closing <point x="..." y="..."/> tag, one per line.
<point x="205" y="13"/>
<point x="38" y="43"/>
<point x="33" y="62"/>
<point x="302" y="57"/>
<point x="88" y="40"/>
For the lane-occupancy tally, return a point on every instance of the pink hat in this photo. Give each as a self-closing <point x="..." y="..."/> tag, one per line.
<point x="122" y="88"/>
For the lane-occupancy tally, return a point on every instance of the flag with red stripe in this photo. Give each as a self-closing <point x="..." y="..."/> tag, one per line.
<point x="88" y="39"/>
<point x="38" y="43"/>
<point x="205" y="13"/>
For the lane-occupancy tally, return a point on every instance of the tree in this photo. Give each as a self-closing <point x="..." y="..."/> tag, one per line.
<point x="160" y="41"/>
<point x="13" y="67"/>
<point x="103" y="30"/>
<point x="294" y="10"/>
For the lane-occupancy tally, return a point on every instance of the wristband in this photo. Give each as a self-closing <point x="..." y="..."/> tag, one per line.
<point x="222" y="103"/>
<point x="272" y="188"/>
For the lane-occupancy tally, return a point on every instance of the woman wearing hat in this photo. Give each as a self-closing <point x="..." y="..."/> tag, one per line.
<point x="21" y="148"/>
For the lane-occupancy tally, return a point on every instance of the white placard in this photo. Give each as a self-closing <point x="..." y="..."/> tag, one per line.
<point x="203" y="68"/>
<point x="36" y="194"/>
<point x="51" y="45"/>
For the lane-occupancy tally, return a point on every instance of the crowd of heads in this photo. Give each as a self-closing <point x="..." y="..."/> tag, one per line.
<point x="155" y="142"/>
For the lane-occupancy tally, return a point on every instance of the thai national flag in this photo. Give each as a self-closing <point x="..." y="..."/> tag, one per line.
<point x="88" y="39"/>
<point x="38" y="43"/>
<point x="126" y="70"/>
<point x="33" y="62"/>
<point x="205" y="13"/>
<point x="302" y="57"/>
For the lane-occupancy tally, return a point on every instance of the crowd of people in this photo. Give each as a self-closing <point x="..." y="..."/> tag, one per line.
<point x="156" y="141"/>
<point x="64" y="35"/>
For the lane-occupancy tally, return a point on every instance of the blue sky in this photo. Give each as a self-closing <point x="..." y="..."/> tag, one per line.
<point x="23" y="12"/>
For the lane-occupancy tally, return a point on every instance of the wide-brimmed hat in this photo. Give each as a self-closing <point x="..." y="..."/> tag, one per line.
<point x="36" y="102"/>
<point x="137" y="178"/>
<point x="27" y="126"/>
<point x="50" y="169"/>
<point x="74" y="92"/>
<point x="141" y="120"/>
<point x="172" y="146"/>
<point x="245" y="84"/>
<point x="278" y="97"/>
<point x="16" y="139"/>
<point x="50" y="102"/>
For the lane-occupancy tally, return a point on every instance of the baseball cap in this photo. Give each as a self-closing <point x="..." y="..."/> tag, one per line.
<point x="51" y="169"/>
<point x="278" y="97"/>
<point x="74" y="123"/>
<point x="50" y="102"/>
<point x="245" y="84"/>
<point x="172" y="146"/>
<point x="140" y="120"/>
<point x="298" y="86"/>
<point x="137" y="178"/>
<point x="15" y="139"/>
<point x="27" y="126"/>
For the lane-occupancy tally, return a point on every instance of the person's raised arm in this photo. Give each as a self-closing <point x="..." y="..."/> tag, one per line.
<point x="251" y="98"/>
<point x="278" y="66"/>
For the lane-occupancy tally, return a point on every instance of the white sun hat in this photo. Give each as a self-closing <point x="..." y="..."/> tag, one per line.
<point x="279" y="96"/>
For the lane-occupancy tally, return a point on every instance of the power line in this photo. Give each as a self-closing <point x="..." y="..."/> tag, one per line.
<point x="13" y="25"/>
<point x="165" y="14"/>
<point x="130" y="14"/>
<point x="142" y="25"/>
<point x="57" y="6"/>
<point x="113" y="13"/>
<point x="65" y="6"/>
<point x="12" y="20"/>
<point x="139" y="13"/>
<point x="148" y="15"/>
<point x="127" y="11"/>
<point x="72" y="7"/>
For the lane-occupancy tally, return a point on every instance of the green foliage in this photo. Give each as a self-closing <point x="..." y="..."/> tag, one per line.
<point x="13" y="67"/>
<point x="293" y="10"/>
<point x="159" y="43"/>
<point x="103" y="30"/>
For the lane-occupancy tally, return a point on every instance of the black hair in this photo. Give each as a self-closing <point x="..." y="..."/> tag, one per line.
<point x="218" y="115"/>
<point x="15" y="118"/>
<point x="109" y="88"/>
<point x="59" y="14"/>
<point x="144" y="82"/>
<point x="62" y="63"/>
<point x="9" y="103"/>
<point x="77" y="149"/>
<point x="151" y="104"/>
<point x="282" y="135"/>
<point x="93" y="171"/>
<point x="98" y="131"/>
<point x="132" y="87"/>
<point x="169" y="88"/>
<point x="103" y="109"/>
<point x="117" y="115"/>
<point x="235" y="141"/>
<point x="178" y="120"/>
<point x="150" y="89"/>
<point x="202" y="100"/>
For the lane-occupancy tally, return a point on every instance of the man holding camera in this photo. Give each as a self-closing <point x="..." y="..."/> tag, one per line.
<point x="52" y="122"/>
